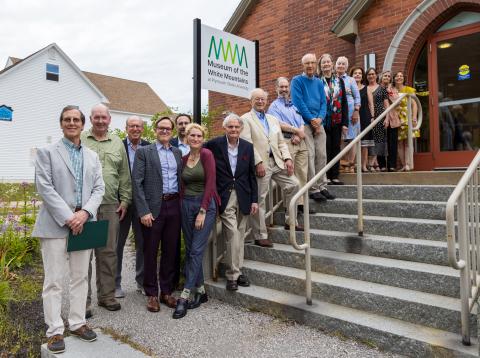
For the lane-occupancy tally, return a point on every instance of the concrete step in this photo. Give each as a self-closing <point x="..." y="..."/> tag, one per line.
<point x="451" y="177"/>
<point x="439" y="280"/>
<point x="425" y="229"/>
<point x="377" y="207"/>
<point x="395" y="192"/>
<point x="386" y="333"/>
<point x="408" y="305"/>
<point x="400" y="248"/>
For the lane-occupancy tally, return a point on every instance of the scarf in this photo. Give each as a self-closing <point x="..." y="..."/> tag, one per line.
<point x="333" y="94"/>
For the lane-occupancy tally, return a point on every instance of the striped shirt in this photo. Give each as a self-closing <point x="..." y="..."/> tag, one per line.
<point x="76" y="159"/>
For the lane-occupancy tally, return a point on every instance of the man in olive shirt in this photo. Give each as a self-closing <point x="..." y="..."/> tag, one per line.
<point x="117" y="198"/>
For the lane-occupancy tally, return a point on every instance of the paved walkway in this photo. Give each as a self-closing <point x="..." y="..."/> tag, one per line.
<point x="217" y="329"/>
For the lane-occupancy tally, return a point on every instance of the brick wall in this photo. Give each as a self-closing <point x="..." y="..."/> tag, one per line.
<point x="287" y="29"/>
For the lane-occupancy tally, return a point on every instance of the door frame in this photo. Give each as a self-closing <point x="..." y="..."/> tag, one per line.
<point x="439" y="159"/>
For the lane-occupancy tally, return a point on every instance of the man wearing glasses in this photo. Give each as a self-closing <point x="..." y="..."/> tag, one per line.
<point x="134" y="129"/>
<point x="156" y="177"/>
<point x="117" y="198"/>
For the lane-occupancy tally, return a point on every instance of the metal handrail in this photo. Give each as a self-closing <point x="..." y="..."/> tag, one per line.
<point x="465" y="197"/>
<point x="304" y="190"/>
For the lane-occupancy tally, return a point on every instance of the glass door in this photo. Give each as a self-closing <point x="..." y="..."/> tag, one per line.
<point x="455" y="99"/>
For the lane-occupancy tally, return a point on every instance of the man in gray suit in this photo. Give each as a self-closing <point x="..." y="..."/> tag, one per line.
<point x="156" y="185"/>
<point x="68" y="177"/>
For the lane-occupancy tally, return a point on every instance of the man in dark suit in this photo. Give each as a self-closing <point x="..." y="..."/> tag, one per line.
<point x="156" y="185"/>
<point x="134" y="129"/>
<point x="237" y="187"/>
<point x="181" y="121"/>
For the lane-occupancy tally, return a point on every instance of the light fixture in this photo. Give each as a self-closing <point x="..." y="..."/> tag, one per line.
<point x="445" y="45"/>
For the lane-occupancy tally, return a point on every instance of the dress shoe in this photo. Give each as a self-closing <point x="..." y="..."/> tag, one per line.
<point x="181" y="309"/>
<point x="232" y="285"/>
<point x="111" y="305"/>
<point x="152" y="304"/>
<point x="169" y="300"/>
<point x="56" y="344"/>
<point x="297" y="227"/>
<point x="264" y="243"/>
<point x="119" y="293"/>
<point x="326" y="194"/>
<point x="243" y="281"/>
<point x="85" y="333"/>
<point x="198" y="299"/>
<point x="336" y="181"/>
<point x="317" y="197"/>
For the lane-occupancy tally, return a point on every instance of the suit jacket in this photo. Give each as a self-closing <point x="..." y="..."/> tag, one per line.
<point x="243" y="182"/>
<point x="55" y="181"/>
<point x="174" y="142"/>
<point x="254" y="133"/>
<point x="142" y="144"/>
<point x="147" y="179"/>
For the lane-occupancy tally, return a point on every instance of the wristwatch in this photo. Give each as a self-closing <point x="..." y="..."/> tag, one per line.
<point x="202" y="211"/>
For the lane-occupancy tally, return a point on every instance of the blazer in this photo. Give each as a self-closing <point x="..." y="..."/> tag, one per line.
<point x="208" y="162"/>
<point x="253" y="132"/>
<point x="243" y="182"/>
<point x="55" y="182"/>
<point x="147" y="179"/>
<point x="142" y="144"/>
<point x="174" y="142"/>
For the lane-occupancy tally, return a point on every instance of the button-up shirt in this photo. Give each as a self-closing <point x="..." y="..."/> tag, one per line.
<point x="263" y="120"/>
<point x="131" y="151"/>
<point x="233" y="155"/>
<point x="286" y="112"/>
<point x="169" y="168"/>
<point x="184" y="148"/>
<point x="115" y="171"/>
<point x="76" y="159"/>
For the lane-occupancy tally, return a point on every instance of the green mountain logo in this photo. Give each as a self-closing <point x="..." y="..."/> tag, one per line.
<point x="228" y="52"/>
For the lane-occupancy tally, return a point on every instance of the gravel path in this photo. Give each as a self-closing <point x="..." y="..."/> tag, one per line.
<point x="217" y="329"/>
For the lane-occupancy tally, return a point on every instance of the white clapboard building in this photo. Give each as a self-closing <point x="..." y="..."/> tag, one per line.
<point x="35" y="89"/>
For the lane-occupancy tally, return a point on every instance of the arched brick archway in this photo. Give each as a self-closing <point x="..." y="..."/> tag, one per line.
<point x="413" y="33"/>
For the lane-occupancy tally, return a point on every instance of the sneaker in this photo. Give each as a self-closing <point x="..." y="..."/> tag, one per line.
<point x="56" y="344"/>
<point x="85" y="333"/>
<point x="119" y="293"/>
<point x="327" y="194"/>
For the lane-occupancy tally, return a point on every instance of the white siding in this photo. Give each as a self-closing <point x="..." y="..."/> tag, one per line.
<point x="119" y="119"/>
<point x="37" y="103"/>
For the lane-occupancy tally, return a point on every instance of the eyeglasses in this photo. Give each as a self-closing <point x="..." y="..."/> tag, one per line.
<point x="70" y="120"/>
<point x="164" y="129"/>
<point x="135" y="126"/>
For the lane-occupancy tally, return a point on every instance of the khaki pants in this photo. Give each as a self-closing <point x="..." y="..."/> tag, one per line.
<point x="299" y="153"/>
<point x="317" y="156"/>
<point x="289" y="185"/>
<point x="57" y="262"/>
<point x="105" y="257"/>
<point x="233" y="229"/>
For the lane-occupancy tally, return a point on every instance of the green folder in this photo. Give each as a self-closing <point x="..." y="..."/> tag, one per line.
<point x="94" y="234"/>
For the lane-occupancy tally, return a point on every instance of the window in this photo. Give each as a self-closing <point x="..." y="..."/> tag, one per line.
<point x="52" y="72"/>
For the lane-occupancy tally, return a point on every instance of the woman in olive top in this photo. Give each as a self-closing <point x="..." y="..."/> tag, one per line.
<point x="199" y="208"/>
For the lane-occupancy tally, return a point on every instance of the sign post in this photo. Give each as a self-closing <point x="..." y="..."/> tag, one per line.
<point x="223" y="63"/>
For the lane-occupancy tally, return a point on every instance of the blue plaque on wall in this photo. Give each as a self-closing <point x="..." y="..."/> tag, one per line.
<point x="6" y="113"/>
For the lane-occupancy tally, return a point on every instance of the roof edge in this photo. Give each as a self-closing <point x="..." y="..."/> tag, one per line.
<point x="239" y="15"/>
<point x="346" y="25"/>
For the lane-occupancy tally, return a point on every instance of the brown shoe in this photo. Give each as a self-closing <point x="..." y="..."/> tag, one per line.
<point x="85" y="333"/>
<point x="56" y="344"/>
<point x="152" y="304"/>
<point x="297" y="227"/>
<point x="169" y="300"/>
<point x="264" y="243"/>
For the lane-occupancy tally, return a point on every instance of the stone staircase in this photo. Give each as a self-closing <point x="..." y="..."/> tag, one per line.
<point x="392" y="288"/>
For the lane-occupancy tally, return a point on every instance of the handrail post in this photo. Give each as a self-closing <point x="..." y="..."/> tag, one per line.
<point x="214" y="253"/>
<point x="464" y="272"/>
<point x="306" y="232"/>
<point x="270" y="201"/>
<point x="409" y="160"/>
<point x="359" y="189"/>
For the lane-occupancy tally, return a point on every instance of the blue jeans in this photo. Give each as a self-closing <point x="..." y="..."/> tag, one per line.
<point x="195" y="240"/>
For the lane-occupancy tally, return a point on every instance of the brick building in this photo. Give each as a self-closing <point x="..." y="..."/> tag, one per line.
<point x="429" y="40"/>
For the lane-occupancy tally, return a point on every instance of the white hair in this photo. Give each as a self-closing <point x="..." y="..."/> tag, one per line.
<point x="277" y="81"/>
<point x="230" y="117"/>
<point x="344" y="59"/>
<point x="252" y="92"/>
<point x="136" y="118"/>
<point x="304" y="58"/>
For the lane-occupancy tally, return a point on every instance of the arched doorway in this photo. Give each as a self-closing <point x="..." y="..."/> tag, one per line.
<point x="447" y="79"/>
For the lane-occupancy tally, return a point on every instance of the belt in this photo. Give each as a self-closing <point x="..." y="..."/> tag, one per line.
<point x="78" y="208"/>
<point x="287" y="135"/>
<point x="170" y="196"/>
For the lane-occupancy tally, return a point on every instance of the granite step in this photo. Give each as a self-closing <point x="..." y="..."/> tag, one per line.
<point x="387" y="333"/>
<point x="395" y="192"/>
<point x="376" y="207"/>
<point x="426" y="229"/>
<point x="400" y="248"/>
<point x="408" y="305"/>
<point x="439" y="280"/>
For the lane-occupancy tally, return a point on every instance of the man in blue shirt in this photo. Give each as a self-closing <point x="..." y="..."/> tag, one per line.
<point x="291" y="123"/>
<point x="181" y="121"/>
<point x="309" y="97"/>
